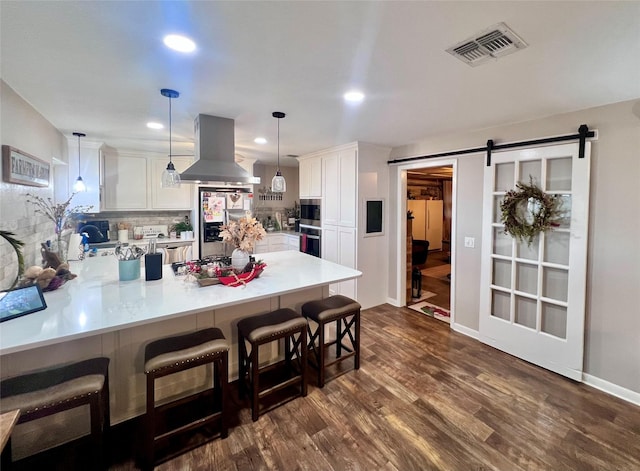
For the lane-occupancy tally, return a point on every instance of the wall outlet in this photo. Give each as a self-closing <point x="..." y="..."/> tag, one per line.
<point x="469" y="242"/>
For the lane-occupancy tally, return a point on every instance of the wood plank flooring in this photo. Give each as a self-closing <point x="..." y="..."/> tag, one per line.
<point x="438" y="285"/>
<point x="426" y="398"/>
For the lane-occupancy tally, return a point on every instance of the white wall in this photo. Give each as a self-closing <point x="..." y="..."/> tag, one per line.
<point x="373" y="182"/>
<point x="612" y="334"/>
<point x="22" y="127"/>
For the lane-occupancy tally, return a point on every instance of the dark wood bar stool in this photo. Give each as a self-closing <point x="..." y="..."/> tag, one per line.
<point x="346" y="313"/>
<point x="179" y="353"/>
<point x="47" y="392"/>
<point x="263" y="329"/>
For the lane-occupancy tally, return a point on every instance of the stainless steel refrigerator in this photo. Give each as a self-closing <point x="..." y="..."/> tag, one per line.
<point x="218" y="206"/>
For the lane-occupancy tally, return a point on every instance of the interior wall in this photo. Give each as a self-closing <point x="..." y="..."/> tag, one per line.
<point x="373" y="182"/>
<point x="266" y="173"/>
<point x="22" y="127"/>
<point x="612" y="328"/>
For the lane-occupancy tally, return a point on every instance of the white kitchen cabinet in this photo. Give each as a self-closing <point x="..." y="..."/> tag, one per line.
<point x="169" y="198"/>
<point x="339" y="246"/>
<point x="310" y="182"/>
<point x="273" y="242"/>
<point x="125" y="182"/>
<point x="350" y="174"/>
<point x="293" y="242"/>
<point x="89" y="170"/>
<point x="132" y="183"/>
<point x="340" y="183"/>
<point x="427" y="221"/>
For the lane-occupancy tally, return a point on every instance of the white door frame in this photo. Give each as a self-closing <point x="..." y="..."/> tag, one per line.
<point x="401" y="224"/>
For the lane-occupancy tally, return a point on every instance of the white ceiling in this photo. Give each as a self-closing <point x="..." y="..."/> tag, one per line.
<point x="98" y="67"/>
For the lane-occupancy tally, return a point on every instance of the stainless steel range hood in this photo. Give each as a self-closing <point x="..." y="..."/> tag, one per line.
<point x="215" y="150"/>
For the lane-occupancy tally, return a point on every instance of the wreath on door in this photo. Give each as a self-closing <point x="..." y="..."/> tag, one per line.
<point x="527" y="211"/>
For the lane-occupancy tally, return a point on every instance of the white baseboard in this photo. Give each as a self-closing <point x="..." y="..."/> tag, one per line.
<point x="465" y="330"/>
<point x="394" y="302"/>
<point x="610" y="388"/>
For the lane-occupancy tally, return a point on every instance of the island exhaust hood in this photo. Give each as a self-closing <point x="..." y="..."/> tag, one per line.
<point x="214" y="151"/>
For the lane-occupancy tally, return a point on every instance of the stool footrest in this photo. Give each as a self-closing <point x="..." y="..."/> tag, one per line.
<point x="167" y="406"/>
<point x="279" y="386"/>
<point x="187" y="427"/>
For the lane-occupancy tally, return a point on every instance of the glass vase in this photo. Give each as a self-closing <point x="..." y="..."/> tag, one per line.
<point x="239" y="259"/>
<point x="60" y="248"/>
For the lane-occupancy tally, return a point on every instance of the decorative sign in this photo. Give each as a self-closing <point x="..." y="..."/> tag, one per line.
<point x="23" y="169"/>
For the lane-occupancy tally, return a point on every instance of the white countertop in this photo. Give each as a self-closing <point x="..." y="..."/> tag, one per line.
<point x="97" y="302"/>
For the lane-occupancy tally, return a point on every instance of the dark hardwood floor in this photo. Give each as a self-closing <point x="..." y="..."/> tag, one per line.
<point x="425" y="398"/>
<point x="439" y="286"/>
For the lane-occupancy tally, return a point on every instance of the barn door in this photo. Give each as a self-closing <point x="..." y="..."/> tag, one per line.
<point x="533" y="296"/>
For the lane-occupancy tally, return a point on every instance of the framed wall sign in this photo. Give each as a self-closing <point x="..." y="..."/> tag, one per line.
<point x="374" y="217"/>
<point x="24" y="169"/>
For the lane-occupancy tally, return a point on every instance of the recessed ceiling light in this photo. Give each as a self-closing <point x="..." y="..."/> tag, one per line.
<point x="354" y="96"/>
<point x="260" y="140"/>
<point x="179" y="43"/>
<point x="152" y="125"/>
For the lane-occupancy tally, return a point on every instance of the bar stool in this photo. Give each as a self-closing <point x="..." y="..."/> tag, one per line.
<point x="179" y="353"/>
<point x="346" y="313"/>
<point x="262" y="329"/>
<point x="43" y="393"/>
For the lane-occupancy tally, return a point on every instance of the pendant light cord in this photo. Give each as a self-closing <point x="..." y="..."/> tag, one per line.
<point x="278" y="144"/>
<point x="79" y="173"/>
<point x="170" y="130"/>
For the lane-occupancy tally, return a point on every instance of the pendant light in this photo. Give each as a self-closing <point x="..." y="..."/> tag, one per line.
<point x="79" y="185"/>
<point x="170" y="177"/>
<point x="278" y="183"/>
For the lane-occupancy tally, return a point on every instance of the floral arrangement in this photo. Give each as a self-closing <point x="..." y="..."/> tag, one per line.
<point x="527" y="211"/>
<point x="243" y="233"/>
<point x="59" y="213"/>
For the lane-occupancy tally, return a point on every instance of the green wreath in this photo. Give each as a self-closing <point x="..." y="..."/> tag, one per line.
<point x="528" y="210"/>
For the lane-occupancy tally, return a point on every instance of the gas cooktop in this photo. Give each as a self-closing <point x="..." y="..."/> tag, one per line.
<point x="209" y="261"/>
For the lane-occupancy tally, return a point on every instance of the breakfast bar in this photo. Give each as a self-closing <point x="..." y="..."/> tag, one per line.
<point x="95" y="314"/>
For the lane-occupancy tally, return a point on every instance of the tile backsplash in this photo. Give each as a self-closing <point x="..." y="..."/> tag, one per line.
<point x="133" y="219"/>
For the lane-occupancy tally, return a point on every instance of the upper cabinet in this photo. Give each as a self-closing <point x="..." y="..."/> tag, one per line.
<point x="132" y="183"/>
<point x="125" y="182"/>
<point x="89" y="170"/>
<point x="310" y="177"/>
<point x="170" y="198"/>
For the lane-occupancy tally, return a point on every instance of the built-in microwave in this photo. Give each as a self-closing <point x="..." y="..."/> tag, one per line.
<point x="310" y="212"/>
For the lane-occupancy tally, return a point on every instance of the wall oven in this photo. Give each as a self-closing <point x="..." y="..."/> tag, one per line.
<point x="310" y="212"/>
<point x="310" y="240"/>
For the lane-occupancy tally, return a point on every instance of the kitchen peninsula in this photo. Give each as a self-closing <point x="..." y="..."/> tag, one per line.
<point x="98" y="315"/>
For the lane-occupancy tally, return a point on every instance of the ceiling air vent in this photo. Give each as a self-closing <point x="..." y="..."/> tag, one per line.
<point x="491" y="43"/>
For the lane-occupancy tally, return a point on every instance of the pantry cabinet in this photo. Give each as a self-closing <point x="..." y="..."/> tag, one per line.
<point x="339" y="246"/>
<point x="310" y="170"/>
<point x="427" y="221"/>
<point x="351" y="174"/>
<point x="339" y="186"/>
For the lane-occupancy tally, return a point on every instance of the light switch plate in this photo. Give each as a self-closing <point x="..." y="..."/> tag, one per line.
<point x="469" y="242"/>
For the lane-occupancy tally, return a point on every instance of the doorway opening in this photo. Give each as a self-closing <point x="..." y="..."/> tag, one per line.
<point x="429" y="199"/>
